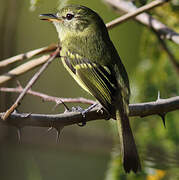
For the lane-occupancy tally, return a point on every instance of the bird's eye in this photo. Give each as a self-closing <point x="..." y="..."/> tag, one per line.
<point x="69" y="16"/>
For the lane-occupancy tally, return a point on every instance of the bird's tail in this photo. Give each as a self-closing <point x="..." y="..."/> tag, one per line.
<point x="131" y="161"/>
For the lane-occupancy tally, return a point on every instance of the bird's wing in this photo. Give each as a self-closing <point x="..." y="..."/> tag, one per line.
<point x="96" y="79"/>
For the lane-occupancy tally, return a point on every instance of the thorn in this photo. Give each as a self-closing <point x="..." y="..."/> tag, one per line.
<point x="163" y="118"/>
<point x="58" y="129"/>
<point x="48" y="130"/>
<point x="66" y="107"/>
<point x="57" y="136"/>
<point x="60" y="101"/>
<point x="158" y="97"/>
<point x="66" y="111"/>
<point x="19" y="130"/>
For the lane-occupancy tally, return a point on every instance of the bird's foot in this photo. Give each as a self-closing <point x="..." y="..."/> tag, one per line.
<point x="83" y="112"/>
<point x="101" y="110"/>
<point x="80" y="110"/>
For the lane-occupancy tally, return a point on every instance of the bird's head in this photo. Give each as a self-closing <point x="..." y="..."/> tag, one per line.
<point x="75" y="19"/>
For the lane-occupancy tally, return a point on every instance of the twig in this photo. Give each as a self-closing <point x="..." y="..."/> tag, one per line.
<point x="132" y="14"/>
<point x="144" y="18"/>
<point x="23" y="68"/>
<point x="27" y="55"/>
<point x="58" y="120"/>
<point x="169" y="53"/>
<point x="46" y="97"/>
<point x="29" y="85"/>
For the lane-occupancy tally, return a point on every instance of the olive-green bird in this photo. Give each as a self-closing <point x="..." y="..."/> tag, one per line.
<point x="91" y="58"/>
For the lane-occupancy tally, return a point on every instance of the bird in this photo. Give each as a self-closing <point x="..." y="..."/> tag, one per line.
<point x="90" y="57"/>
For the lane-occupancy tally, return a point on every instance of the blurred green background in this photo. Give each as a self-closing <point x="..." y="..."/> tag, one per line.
<point x="90" y="152"/>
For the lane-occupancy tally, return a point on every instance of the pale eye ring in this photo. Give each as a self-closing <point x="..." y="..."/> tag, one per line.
<point x="69" y="16"/>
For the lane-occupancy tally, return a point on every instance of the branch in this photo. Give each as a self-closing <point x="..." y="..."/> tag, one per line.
<point x="48" y="98"/>
<point x="27" y="55"/>
<point x="133" y="13"/>
<point x="21" y="69"/>
<point x="144" y="18"/>
<point x="161" y="106"/>
<point x="172" y="58"/>
<point x="29" y="85"/>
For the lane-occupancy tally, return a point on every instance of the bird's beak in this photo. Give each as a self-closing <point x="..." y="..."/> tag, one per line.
<point x="50" y="17"/>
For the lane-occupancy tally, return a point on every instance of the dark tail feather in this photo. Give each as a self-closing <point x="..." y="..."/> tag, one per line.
<point x="131" y="161"/>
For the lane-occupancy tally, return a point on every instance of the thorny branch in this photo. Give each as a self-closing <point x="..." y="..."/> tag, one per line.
<point x="60" y="120"/>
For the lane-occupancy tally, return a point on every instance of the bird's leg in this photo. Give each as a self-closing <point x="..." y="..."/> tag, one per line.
<point x="83" y="112"/>
<point x="88" y="109"/>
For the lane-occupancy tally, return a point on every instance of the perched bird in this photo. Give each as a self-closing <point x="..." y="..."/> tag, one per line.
<point x="91" y="58"/>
